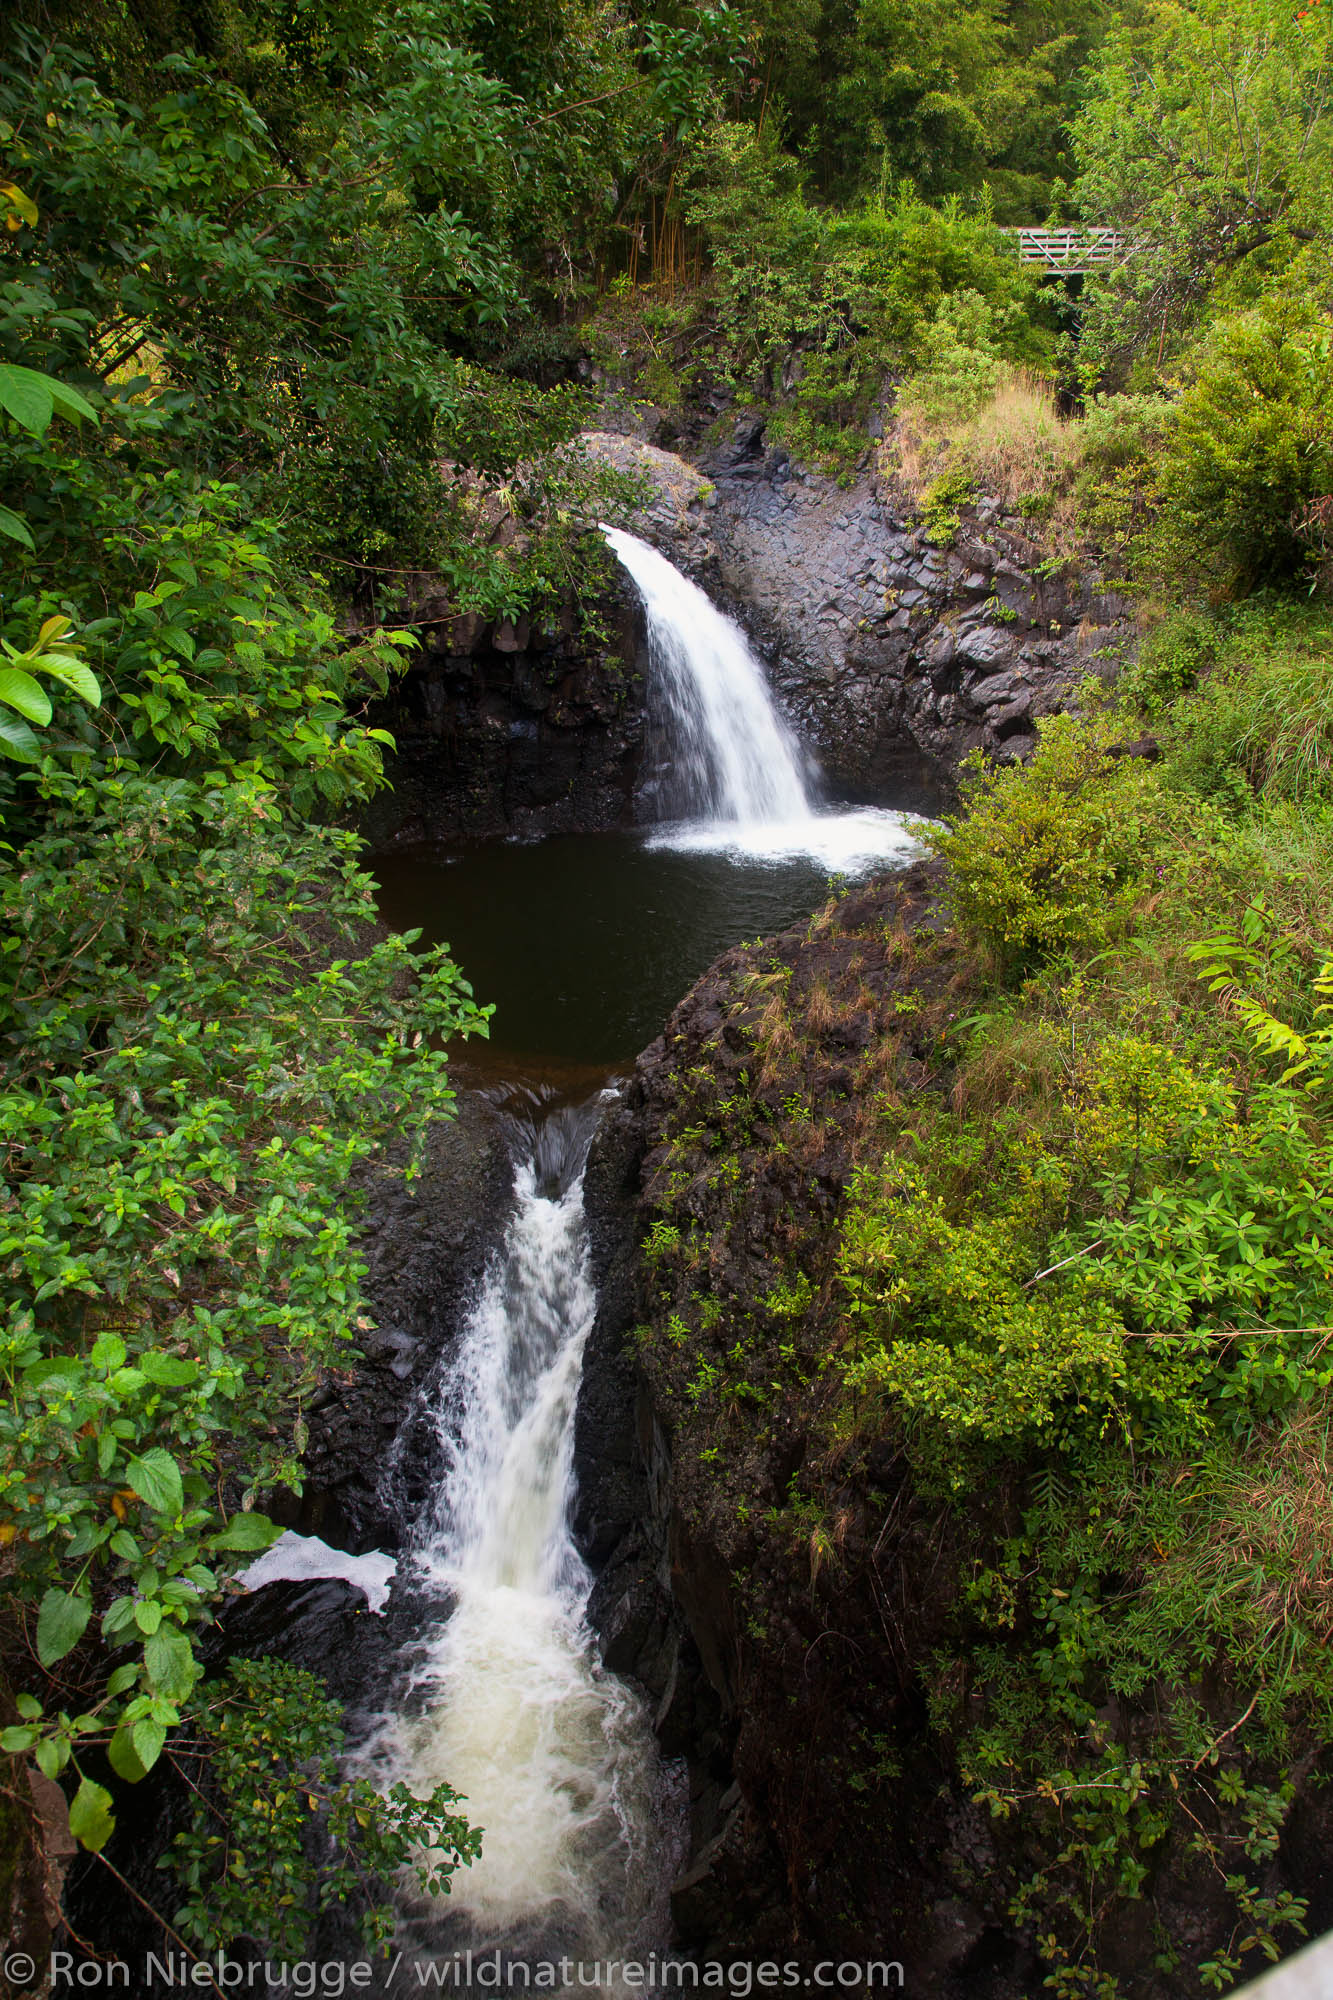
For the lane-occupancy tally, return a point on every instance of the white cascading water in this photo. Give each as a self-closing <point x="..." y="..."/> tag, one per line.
<point x="554" y="1757"/>
<point x="736" y="767"/>
<point x="736" y="758"/>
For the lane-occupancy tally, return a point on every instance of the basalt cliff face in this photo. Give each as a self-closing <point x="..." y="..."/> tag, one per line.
<point x="892" y="658"/>
<point x="825" y="1820"/>
<point x="506" y="727"/>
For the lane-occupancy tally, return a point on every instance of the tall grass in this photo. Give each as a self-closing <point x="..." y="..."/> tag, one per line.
<point x="1263" y="718"/>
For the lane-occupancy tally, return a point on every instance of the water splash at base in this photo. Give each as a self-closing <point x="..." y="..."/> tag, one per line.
<point x="738" y="778"/>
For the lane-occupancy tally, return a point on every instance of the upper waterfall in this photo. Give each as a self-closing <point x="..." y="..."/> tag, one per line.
<point x="740" y="778"/>
<point x="738" y="760"/>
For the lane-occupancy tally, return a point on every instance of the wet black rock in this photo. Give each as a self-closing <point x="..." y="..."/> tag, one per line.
<point x="372" y="1453"/>
<point x="513" y="728"/>
<point x="654" y="1607"/>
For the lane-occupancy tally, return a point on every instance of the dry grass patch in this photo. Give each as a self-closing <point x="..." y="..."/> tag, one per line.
<point x="774" y="1041"/>
<point x="1018" y="446"/>
<point x="1015" y="447"/>
<point x="821" y="1011"/>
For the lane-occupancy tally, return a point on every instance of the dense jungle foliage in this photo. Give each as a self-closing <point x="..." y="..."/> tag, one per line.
<point x="293" y="294"/>
<point x="253" y="264"/>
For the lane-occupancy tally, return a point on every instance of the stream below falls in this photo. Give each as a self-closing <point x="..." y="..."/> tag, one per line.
<point x="583" y="943"/>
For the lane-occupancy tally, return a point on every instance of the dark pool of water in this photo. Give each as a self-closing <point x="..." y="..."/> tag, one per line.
<point x="585" y="942"/>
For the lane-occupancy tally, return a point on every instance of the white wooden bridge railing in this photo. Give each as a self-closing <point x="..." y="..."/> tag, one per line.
<point x="1070" y="251"/>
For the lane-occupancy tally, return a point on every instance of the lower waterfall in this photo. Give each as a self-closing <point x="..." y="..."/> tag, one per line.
<point x="554" y="1757"/>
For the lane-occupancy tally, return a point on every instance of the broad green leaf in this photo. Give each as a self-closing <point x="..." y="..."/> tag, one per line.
<point x="68" y="402"/>
<point x="19" y="690"/>
<point x="123" y="1758"/>
<point x="171" y="1664"/>
<point x="46" y="1751"/>
<point x="149" y="1737"/>
<point x="24" y="203"/>
<point x="156" y="1479"/>
<point x="54" y="1377"/>
<point x="27" y="397"/>
<point x="91" y="1820"/>
<point x="167" y="1370"/>
<point x="73" y="674"/>
<point x="16" y="528"/>
<point x="118" y="1618"/>
<point x="32" y="398"/>
<point x="148" y="1615"/>
<point x="17" y="741"/>
<point x="108" y="1351"/>
<point x="246" y="1532"/>
<point x="61" y="1622"/>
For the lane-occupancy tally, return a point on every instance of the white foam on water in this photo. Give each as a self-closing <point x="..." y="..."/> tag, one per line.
<point x="297" y="1558"/>
<point x="848" y="843"/>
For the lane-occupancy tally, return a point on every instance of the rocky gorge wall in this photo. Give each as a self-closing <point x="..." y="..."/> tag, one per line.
<point x="824" y="1818"/>
<point x="891" y="658"/>
<point x="792" y="1594"/>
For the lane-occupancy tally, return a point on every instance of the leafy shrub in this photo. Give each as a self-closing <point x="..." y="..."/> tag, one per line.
<point x="1042" y="856"/>
<point x="1251" y="449"/>
<point x="1121" y="441"/>
<point x="1171" y="660"/>
<point x="1262" y="722"/>
<point x="955" y="1332"/>
<point x="270" y="1739"/>
<point x="962" y="351"/>
<point x="1231" y="1241"/>
<point x="765" y="240"/>
<point x="191" y="1077"/>
<point x="939" y="503"/>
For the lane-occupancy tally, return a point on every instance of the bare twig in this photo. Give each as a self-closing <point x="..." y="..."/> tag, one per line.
<point x="158" y="1918"/>
<point x="1086" y="1251"/>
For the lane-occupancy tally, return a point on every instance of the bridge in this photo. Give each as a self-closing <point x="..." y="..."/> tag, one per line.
<point x="1071" y="252"/>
